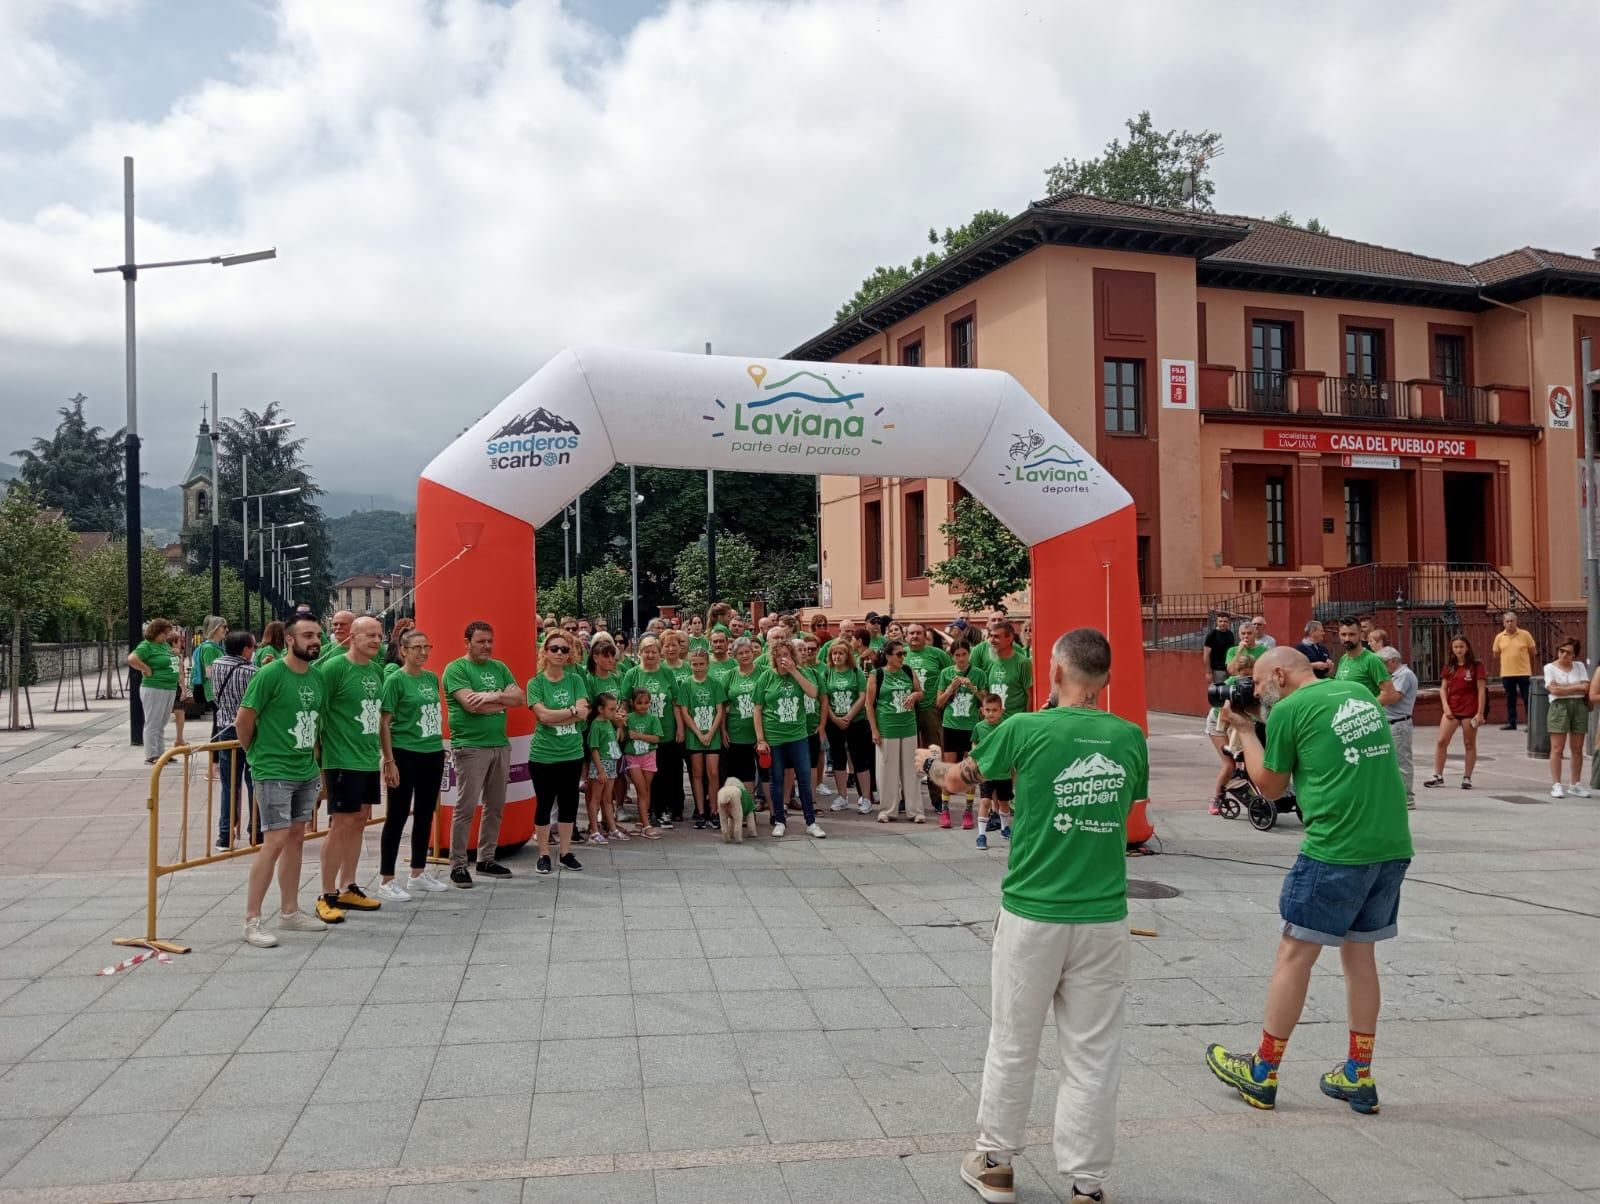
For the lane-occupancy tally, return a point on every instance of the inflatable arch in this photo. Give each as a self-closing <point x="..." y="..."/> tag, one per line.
<point x="480" y="500"/>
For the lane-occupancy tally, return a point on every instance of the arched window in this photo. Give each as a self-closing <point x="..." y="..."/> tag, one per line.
<point x="201" y="504"/>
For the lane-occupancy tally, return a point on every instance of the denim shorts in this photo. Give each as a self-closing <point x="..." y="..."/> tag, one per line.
<point x="283" y="803"/>
<point x="1331" y="904"/>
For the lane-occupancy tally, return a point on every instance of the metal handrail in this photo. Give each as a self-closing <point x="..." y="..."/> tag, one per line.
<point x="1359" y="397"/>
<point x="1257" y="391"/>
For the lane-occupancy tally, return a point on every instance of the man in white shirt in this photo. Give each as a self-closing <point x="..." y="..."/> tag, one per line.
<point x="1398" y="713"/>
<point x="1259" y="622"/>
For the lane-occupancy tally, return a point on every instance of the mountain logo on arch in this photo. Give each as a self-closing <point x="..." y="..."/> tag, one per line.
<point x="804" y="413"/>
<point x="536" y="439"/>
<point x="1039" y="461"/>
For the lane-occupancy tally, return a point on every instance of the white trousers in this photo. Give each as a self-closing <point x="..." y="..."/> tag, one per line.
<point x="1082" y="969"/>
<point x="897" y="775"/>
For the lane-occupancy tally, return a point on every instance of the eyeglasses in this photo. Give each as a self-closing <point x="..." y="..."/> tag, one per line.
<point x="561" y="648"/>
<point x="605" y="651"/>
<point x="414" y="647"/>
<point x="570" y="630"/>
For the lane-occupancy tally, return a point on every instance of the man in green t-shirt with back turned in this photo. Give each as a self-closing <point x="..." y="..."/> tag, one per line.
<point x="1333" y="739"/>
<point x="1062" y="931"/>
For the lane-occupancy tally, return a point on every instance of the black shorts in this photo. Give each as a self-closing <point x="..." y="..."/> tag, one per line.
<point x="814" y="743"/>
<point x="957" y="740"/>
<point x="1000" y="792"/>
<point x="349" y="790"/>
<point x="738" y="761"/>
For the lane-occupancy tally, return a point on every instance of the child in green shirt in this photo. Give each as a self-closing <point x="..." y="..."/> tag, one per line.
<point x="994" y="798"/>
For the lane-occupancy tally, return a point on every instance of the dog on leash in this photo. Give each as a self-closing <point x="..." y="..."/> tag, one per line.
<point x="733" y="810"/>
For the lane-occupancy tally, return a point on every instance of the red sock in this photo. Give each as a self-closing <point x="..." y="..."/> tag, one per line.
<point x="1361" y="1047"/>
<point x="1271" y="1050"/>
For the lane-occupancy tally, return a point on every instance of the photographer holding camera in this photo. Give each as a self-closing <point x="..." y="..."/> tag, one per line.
<point x="1334" y="740"/>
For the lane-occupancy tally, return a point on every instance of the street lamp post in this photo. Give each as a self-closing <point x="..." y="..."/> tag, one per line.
<point x="633" y="538"/>
<point x="129" y="270"/>
<point x="577" y="546"/>
<point x="244" y="534"/>
<point x="244" y="555"/>
<point x="261" y="536"/>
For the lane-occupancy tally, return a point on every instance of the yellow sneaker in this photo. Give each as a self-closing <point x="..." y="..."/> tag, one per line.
<point x="327" y="912"/>
<point x="353" y="898"/>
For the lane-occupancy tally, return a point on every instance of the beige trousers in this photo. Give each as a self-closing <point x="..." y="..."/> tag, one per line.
<point x="897" y="771"/>
<point x="480" y="776"/>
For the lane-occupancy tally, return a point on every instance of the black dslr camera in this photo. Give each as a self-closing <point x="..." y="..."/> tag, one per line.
<point x="1240" y="694"/>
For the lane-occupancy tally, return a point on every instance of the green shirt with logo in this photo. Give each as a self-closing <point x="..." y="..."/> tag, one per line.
<point x="287" y="706"/>
<point x="701" y="700"/>
<point x="1010" y="678"/>
<point x="351" y="713"/>
<point x="661" y="682"/>
<point x="266" y="654"/>
<point x="553" y="742"/>
<point x="332" y="648"/>
<point x="163" y="673"/>
<point x="1335" y="739"/>
<point x="649" y="725"/>
<point x="609" y="683"/>
<point x="928" y="663"/>
<point x="814" y="705"/>
<point x="843" y="687"/>
<point x="466" y="729"/>
<point x="897" y="715"/>
<point x="602" y="737"/>
<point x="1079" y="771"/>
<point x="721" y="669"/>
<point x="412" y="703"/>
<point x="742" y="690"/>
<point x="783" y="709"/>
<point x="1366" y="667"/>
<point x="961" y="712"/>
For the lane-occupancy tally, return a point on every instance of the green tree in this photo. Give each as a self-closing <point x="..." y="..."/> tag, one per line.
<point x="78" y="471"/>
<point x="1151" y="168"/>
<point x="606" y="590"/>
<point x="989" y="563"/>
<point x="738" y="574"/>
<point x="789" y="580"/>
<point x="1311" y="225"/>
<point x="101" y="585"/>
<point x="35" y="571"/>
<point x="372" y="541"/>
<point x="884" y="280"/>
<point x="560" y="597"/>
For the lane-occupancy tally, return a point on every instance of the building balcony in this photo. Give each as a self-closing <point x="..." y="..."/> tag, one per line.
<point x="1303" y="393"/>
<point x="1355" y="397"/>
<point x="1262" y="392"/>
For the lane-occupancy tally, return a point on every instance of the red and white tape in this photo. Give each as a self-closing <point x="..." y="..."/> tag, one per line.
<point x="164" y="958"/>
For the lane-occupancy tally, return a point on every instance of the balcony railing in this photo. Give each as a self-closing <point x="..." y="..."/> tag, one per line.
<point x="1355" y="397"/>
<point x="1258" y="392"/>
<point x="1466" y="403"/>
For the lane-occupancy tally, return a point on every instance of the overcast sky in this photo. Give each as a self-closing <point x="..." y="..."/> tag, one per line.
<point x="460" y="188"/>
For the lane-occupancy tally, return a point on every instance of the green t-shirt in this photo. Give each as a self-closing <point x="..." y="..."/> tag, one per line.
<point x="1366" y="667"/>
<point x="287" y="706"/>
<point x="554" y="742"/>
<point x="203" y="656"/>
<point x="843" y="687"/>
<point x="928" y="664"/>
<point x="163" y="673"/>
<point x="1253" y="653"/>
<point x="1010" y="678"/>
<point x="390" y="668"/>
<point x="721" y="670"/>
<point x="650" y="726"/>
<point x="351" y="713"/>
<point x="661" y="683"/>
<point x="961" y="712"/>
<point x="601" y="737"/>
<point x="413" y="704"/>
<point x="983" y="729"/>
<point x="1079" y="771"/>
<point x="742" y="690"/>
<point x="466" y="729"/>
<point x="1336" y="741"/>
<point x="783" y="709"/>
<point x="814" y="705"/>
<point x="266" y="654"/>
<point x="701" y="700"/>
<point x="896" y="716"/>
<point x="610" y="683"/>
<point x="699" y="643"/>
<point x="332" y="648"/>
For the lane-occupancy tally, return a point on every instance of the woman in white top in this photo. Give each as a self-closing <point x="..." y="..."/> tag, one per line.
<point x="1566" y="680"/>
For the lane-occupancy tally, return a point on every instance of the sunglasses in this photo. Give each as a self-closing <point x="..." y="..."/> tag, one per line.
<point x="605" y="651"/>
<point x="561" y="648"/>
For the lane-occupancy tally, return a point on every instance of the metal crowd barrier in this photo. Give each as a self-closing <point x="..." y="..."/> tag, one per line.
<point x="243" y="828"/>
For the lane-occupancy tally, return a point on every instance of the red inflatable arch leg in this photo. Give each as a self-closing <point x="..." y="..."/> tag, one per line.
<point x="490" y="577"/>
<point x="1089" y="577"/>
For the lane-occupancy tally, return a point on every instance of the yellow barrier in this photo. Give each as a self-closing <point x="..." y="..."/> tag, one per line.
<point x="238" y="829"/>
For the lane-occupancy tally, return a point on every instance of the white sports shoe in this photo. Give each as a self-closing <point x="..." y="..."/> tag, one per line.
<point x="824" y="789"/>
<point x="778" y="830"/>
<point x="1578" y="790"/>
<point x="299" y="921"/>
<point x="393" y="892"/>
<point x="256" y="935"/>
<point x="816" y="830"/>
<point x="1557" y="792"/>
<point x="840" y="804"/>
<point x="864" y="806"/>
<point x="426" y="882"/>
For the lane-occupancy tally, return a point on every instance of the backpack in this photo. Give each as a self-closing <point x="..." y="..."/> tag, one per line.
<point x="197" y="665"/>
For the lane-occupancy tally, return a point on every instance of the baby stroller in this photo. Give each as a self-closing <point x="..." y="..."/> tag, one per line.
<point x="1240" y="794"/>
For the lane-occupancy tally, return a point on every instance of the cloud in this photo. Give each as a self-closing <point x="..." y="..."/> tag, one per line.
<point x="461" y="188"/>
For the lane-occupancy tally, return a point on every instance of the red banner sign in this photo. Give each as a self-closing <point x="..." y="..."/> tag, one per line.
<point x="1370" y="443"/>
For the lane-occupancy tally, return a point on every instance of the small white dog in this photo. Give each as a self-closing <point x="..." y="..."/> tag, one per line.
<point x="731" y="813"/>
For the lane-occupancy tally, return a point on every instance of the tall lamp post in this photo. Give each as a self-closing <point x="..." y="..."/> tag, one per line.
<point x="711" y="528"/>
<point x="244" y="490"/>
<point x="129" y="270"/>
<point x="244" y="551"/>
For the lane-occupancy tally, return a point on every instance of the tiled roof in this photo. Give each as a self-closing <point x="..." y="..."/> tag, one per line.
<point x="1272" y="245"/>
<point x="374" y="581"/>
<point x="1096" y="206"/>
<point x="1526" y="260"/>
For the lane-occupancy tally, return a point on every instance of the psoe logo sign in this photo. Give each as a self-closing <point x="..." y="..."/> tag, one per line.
<point x="1559" y="399"/>
<point x="537" y="439"/>
<point x="804" y="414"/>
<point x="1037" y="461"/>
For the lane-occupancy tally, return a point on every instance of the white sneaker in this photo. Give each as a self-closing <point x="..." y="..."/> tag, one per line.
<point x="816" y="830"/>
<point x="256" y="935"/>
<point x="823" y="789"/>
<point x="393" y="892"/>
<point x="864" y="806"/>
<point x="778" y="830"/>
<point x="426" y="882"/>
<point x="219" y="847"/>
<point x="1557" y="792"/>
<point x="1578" y="790"/>
<point x="299" y="921"/>
<point x="840" y="804"/>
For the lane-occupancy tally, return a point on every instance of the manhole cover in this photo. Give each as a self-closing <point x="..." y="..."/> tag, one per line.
<point x="1524" y="800"/>
<point x="1143" y="888"/>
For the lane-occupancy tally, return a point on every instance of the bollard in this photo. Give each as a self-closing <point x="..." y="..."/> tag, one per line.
<point x="1538" y="719"/>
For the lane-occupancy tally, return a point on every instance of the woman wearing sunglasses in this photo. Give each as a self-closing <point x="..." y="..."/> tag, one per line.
<point x="559" y="696"/>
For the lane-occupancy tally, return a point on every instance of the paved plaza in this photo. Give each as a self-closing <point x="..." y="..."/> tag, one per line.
<point x="778" y="1021"/>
